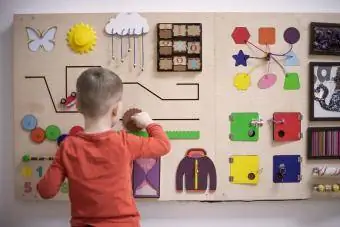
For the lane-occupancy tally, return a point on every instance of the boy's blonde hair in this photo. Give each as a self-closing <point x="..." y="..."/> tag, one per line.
<point x="98" y="89"/>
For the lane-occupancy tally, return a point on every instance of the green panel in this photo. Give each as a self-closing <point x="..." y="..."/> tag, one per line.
<point x="175" y="135"/>
<point x="241" y="128"/>
<point x="292" y="81"/>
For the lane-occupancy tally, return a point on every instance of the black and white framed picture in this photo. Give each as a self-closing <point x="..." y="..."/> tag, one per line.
<point x="324" y="39"/>
<point x="324" y="91"/>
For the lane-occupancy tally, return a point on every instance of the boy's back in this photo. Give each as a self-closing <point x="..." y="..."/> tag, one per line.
<point x="98" y="170"/>
<point x="98" y="161"/>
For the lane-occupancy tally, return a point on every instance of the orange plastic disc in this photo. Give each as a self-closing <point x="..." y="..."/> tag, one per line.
<point x="37" y="135"/>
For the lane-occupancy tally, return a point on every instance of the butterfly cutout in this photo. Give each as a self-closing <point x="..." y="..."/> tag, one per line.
<point x="38" y="39"/>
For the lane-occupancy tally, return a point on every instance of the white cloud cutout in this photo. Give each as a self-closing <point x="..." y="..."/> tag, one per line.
<point x="125" y="23"/>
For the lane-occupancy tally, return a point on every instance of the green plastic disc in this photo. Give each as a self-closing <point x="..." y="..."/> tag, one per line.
<point x="52" y="132"/>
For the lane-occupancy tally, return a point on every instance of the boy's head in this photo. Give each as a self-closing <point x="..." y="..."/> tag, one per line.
<point x="99" y="91"/>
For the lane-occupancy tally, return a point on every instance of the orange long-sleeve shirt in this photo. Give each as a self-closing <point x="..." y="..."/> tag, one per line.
<point x="98" y="168"/>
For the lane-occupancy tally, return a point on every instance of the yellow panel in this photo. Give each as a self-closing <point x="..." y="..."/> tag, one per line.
<point x="244" y="169"/>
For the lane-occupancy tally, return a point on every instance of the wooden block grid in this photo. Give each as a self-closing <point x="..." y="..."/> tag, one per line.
<point x="179" y="47"/>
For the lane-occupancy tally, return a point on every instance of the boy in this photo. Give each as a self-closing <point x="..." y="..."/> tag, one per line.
<point x="98" y="161"/>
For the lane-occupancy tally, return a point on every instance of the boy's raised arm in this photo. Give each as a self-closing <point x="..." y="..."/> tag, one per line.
<point x="50" y="183"/>
<point x="156" y="145"/>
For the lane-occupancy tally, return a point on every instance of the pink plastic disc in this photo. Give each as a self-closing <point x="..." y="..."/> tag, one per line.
<point x="267" y="81"/>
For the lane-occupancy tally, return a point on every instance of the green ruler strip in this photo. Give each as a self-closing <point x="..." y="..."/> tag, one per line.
<point x="175" y="135"/>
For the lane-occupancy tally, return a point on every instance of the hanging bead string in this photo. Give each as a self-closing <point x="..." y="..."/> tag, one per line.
<point x="121" y="46"/>
<point x="134" y="48"/>
<point x="326" y="171"/>
<point x="134" y="36"/>
<point x="258" y="172"/>
<point x="112" y="55"/>
<point x="142" y="50"/>
<point x="129" y="43"/>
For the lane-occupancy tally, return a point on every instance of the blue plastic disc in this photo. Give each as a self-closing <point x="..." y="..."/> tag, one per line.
<point x="29" y="122"/>
<point x="61" y="138"/>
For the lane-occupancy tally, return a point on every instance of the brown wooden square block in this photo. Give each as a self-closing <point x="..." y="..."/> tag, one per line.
<point x="165" y="64"/>
<point x="179" y="47"/>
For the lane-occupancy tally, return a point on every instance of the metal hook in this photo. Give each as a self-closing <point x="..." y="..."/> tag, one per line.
<point x="257" y="123"/>
<point x="259" y="171"/>
<point x="277" y="121"/>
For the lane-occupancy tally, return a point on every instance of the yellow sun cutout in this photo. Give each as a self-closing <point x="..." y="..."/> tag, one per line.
<point x="81" y="38"/>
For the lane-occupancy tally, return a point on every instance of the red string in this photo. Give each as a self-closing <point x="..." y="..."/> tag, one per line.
<point x="257" y="47"/>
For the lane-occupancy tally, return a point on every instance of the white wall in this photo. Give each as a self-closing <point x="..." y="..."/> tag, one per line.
<point x="263" y="214"/>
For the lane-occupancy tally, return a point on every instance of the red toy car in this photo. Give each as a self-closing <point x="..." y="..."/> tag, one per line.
<point x="69" y="101"/>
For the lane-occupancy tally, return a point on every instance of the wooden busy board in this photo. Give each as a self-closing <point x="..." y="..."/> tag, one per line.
<point x="230" y="89"/>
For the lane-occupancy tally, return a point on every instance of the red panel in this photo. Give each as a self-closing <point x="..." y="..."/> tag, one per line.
<point x="287" y="126"/>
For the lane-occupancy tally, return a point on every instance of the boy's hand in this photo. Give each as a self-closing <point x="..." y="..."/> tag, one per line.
<point x="142" y="120"/>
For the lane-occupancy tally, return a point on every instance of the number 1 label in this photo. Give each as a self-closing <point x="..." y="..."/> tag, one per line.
<point x="40" y="171"/>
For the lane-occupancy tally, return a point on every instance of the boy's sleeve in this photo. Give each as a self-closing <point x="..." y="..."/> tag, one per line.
<point x="154" y="146"/>
<point x="50" y="183"/>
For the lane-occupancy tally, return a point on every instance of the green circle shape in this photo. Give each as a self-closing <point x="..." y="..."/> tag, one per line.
<point x="52" y="132"/>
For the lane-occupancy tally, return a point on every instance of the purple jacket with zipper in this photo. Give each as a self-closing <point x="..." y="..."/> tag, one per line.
<point x="196" y="165"/>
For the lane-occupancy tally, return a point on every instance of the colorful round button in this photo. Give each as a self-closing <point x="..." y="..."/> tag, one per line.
<point x="75" y="129"/>
<point x="61" y="138"/>
<point x="37" y="135"/>
<point x="26" y="158"/>
<point x="29" y="122"/>
<point x="52" y="132"/>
